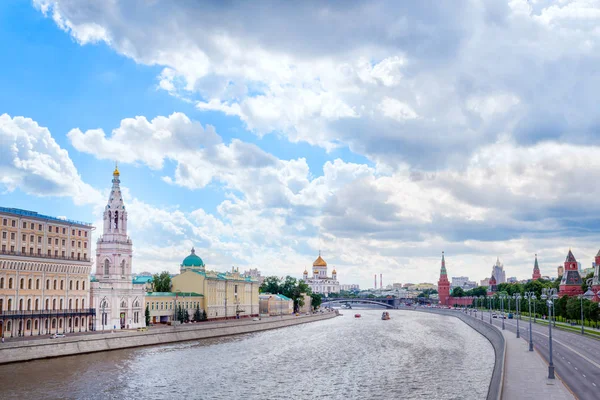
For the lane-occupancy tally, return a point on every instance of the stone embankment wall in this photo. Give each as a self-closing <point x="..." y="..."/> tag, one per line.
<point x="496" y="339"/>
<point x="47" y="348"/>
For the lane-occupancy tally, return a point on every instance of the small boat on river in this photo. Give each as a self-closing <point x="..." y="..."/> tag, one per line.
<point x="385" y="316"/>
<point x="356" y="315"/>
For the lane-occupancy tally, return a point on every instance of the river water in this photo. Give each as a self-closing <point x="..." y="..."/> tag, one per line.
<point x="412" y="356"/>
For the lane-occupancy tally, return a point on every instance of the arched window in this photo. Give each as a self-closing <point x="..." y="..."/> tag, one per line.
<point x="55" y="284"/>
<point x="62" y="284"/>
<point x="22" y="285"/>
<point x="30" y="284"/>
<point x="1" y="305"/>
<point x="54" y="304"/>
<point x="123" y="304"/>
<point x="37" y="304"/>
<point x="47" y="284"/>
<point x="47" y="305"/>
<point x="82" y="303"/>
<point x="69" y="324"/>
<point x="21" y="304"/>
<point x="116" y="220"/>
<point x="28" y="304"/>
<point x="60" y="323"/>
<point x="61" y="304"/>
<point x="70" y="285"/>
<point x="106" y="267"/>
<point x="28" y="324"/>
<point x="8" y="326"/>
<point x="123" y="268"/>
<point x="77" y="304"/>
<point x="77" y="285"/>
<point x="37" y="284"/>
<point x="35" y="324"/>
<point x="82" y="285"/>
<point x="70" y="304"/>
<point x="10" y="281"/>
<point x="1" y="283"/>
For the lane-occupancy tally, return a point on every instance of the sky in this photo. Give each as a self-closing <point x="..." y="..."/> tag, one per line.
<point x="378" y="132"/>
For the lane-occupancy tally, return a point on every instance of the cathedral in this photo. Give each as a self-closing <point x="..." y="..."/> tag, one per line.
<point x="118" y="301"/>
<point x="320" y="282"/>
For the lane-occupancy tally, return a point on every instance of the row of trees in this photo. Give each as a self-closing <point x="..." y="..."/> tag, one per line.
<point x="290" y="287"/>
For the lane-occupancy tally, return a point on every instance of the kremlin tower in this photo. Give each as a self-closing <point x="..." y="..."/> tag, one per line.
<point x="571" y="281"/>
<point x="536" y="270"/>
<point x="492" y="288"/>
<point x="443" y="284"/>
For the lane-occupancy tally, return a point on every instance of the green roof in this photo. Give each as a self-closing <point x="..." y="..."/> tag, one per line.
<point x="93" y="279"/>
<point x="192" y="260"/>
<point x="173" y="294"/>
<point x="142" y="279"/>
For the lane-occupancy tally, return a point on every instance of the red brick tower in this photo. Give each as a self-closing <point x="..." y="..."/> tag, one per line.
<point x="492" y="288"/>
<point x="571" y="281"/>
<point x="536" y="270"/>
<point x="443" y="284"/>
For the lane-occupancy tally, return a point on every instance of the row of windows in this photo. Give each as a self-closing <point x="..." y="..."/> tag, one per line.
<point x="49" y="252"/>
<point x="39" y="240"/>
<point x="75" y="320"/>
<point x="168" y="305"/>
<point x="37" y="284"/>
<point x="36" y="304"/>
<point x="13" y="223"/>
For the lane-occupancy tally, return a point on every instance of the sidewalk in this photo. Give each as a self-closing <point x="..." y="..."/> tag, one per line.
<point x="525" y="374"/>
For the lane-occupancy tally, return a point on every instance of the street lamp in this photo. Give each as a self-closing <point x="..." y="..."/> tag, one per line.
<point x="481" y="305"/>
<point x="502" y="297"/>
<point x="490" y="307"/>
<point x="530" y="296"/>
<point x="517" y="297"/>
<point x="550" y="295"/>
<point x="589" y="295"/>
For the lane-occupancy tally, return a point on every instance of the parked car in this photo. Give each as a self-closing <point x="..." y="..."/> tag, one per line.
<point x="58" y="335"/>
<point x="510" y="316"/>
<point x="494" y="315"/>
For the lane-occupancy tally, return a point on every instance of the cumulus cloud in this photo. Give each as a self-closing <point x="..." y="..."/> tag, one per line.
<point x="32" y="161"/>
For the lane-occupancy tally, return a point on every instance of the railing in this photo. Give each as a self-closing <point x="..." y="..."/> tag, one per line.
<point x="101" y="240"/>
<point x="27" y="213"/>
<point x="55" y="257"/>
<point x="46" y="313"/>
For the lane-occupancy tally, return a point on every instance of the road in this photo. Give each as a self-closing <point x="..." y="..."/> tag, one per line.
<point x="576" y="358"/>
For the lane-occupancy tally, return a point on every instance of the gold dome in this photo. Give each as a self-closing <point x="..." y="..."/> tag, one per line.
<point x="116" y="173"/>
<point x="334" y="272"/>
<point x="319" y="262"/>
<point x="305" y="271"/>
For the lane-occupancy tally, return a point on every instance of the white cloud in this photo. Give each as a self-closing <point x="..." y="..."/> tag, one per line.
<point x="32" y="161"/>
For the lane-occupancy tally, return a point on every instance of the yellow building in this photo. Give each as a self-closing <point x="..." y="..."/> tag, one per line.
<point x="44" y="274"/>
<point x="275" y="304"/>
<point x="225" y="294"/>
<point x="163" y="305"/>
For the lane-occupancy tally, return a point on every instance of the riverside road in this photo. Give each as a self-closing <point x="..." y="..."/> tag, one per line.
<point x="576" y="358"/>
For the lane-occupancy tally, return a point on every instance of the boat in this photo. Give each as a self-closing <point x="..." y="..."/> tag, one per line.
<point x="356" y="315"/>
<point x="385" y="316"/>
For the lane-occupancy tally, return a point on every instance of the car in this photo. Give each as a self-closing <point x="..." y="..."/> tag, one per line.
<point x="142" y="329"/>
<point x="510" y="316"/>
<point x="255" y="319"/>
<point x="494" y="316"/>
<point x="58" y="335"/>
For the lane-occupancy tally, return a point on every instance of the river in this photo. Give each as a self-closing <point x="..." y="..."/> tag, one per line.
<point x="412" y="356"/>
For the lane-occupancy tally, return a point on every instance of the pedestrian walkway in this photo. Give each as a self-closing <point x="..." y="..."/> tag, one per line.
<point x="526" y="374"/>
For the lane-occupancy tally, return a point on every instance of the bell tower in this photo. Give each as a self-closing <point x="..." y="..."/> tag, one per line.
<point x="114" y="248"/>
<point x="443" y="284"/>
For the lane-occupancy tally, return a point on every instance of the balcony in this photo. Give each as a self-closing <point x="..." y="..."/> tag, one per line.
<point x="46" y="256"/>
<point x="23" y="314"/>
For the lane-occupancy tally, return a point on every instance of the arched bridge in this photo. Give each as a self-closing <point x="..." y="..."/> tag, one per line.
<point x="387" y="303"/>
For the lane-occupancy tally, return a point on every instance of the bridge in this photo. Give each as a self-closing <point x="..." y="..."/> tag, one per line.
<point x="386" y="302"/>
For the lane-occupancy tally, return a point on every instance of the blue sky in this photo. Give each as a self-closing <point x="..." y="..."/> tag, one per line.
<point x="380" y="133"/>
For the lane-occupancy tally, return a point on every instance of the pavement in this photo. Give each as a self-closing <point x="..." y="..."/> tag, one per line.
<point x="526" y="374"/>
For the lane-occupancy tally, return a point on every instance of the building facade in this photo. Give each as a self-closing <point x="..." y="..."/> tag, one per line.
<point x="163" y="306"/>
<point x="498" y="272"/>
<point x="320" y="282"/>
<point x="225" y="294"/>
<point x="118" y="301"/>
<point x="44" y="274"/>
<point x="275" y="304"/>
<point x="570" y="283"/>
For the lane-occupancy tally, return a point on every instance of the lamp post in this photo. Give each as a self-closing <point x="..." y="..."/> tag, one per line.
<point x="481" y="305"/>
<point x="502" y="297"/>
<point x="530" y="296"/>
<point x="103" y="314"/>
<point x="517" y="297"/>
<point x="589" y="295"/>
<point x="490" y="307"/>
<point x="550" y="295"/>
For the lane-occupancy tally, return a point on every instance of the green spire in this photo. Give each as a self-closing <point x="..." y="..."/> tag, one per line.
<point x="443" y="270"/>
<point x="536" y="267"/>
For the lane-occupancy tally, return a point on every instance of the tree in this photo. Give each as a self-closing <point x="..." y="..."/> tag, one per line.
<point x="316" y="300"/>
<point x="289" y="287"/>
<point x="161" y="282"/>
<point x="584" y="286"/>
<point x="458" y="292"/>
<point x="204" y="316"/>
<point x="197" y="314"/>
<point x="147" y="315"/>
<point x="573" y="308"/>
<point x="186" y="316"/>
<point x="270" y="285"/>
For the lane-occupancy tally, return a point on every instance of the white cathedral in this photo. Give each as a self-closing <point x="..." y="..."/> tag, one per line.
<point x="320" y="282"/>
<point x="119" y="303"/>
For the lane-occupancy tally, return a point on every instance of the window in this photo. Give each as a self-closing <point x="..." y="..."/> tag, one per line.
<point x="85" y="245"/>
<point x="24" y="225"/>
<point x="3" y="248"/>
<point x="54" y="304"/>
<point x="4" y="221"/>
<point x="83" y="285"/>
<point x="85" y="256"/>
<point x="77" y="285"/>
<point x="37" y="304"/>
<point x="64" y="231"/>
<point x="30" y="284"/>
<point x="22" y="284"/>
<point x="3" y="235"/>
<point x="35" y="324"/>
<point x="61" y="304"/>
<point x="39" y="227"/>
<point x="70" y="304"/>
<point x="70" y="288"/>
<point x="47" y="304"/>
<point x="1" y="283"/>
<point x="31" y="238"/>
<point x="79" y="244"/>
<point x="63" y="253"/>
<point x="47" y="284"/>
<point x="56" y="242"/>
<point x="39" y="252"/>
<point x="28" y="324"/>
<point x="79" y="256"/>
<point x="49" y="252"/>
<point x="82" y="303"/>
<point x="55" y="284"/>
<point x="37" y="284"/>
<point x="24" y="238"/>
<point x="62" y="284"/>
<point x="72" y="232"/>
<point x="49" y="228"/>
<point x="79" y="233"/>
<point x="23" y="250"/>
<point x="39" y="239"/>
<point x="50" y="241"/>
<point x="32" y="226"/>
<point x="72" y="243"/>
<point x="55" y="253"/>
<point x="13" y="223"/>
<point x="31" y="250"/>
<point x="28" y="304"/>
<point x="85" y="233"/>
<point x="9" y="304"/>
<point x="12" y="235"/>
<point x="123" y="268"/>
<point x="72" y="254"/>
<point x="21" y="305"/>
<point x="77" y="304"/>
<point x="56" y="229"/>
<point x="63" y="242"/>
<point x="10" y="283"/>
<point x="106" y="267"/>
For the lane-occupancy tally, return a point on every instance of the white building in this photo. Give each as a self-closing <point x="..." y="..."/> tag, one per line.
<point x="320" y="282"/>
<point x="350" y="287"/>
<point x="119" y="303"/>
<point x="459" y="281"/>
<point x="498" y="272"/>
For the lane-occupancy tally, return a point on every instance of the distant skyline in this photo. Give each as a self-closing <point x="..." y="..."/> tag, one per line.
<point x="379" y="132"/>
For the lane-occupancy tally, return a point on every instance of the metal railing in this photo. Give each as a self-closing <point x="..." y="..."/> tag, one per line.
<point x="17" y="314"/>
<point x="35" y="255"/>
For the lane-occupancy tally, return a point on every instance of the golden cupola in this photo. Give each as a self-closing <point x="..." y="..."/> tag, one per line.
<point x="319" y="262"/>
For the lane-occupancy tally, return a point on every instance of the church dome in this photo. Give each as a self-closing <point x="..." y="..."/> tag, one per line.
<point x="334" y="271"/>
<point x="192" y="260"/>
<point x="319" y="262"/>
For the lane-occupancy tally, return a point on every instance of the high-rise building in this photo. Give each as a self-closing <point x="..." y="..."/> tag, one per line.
<point x="119" y="299"/>
<point x="560" y="270"/>
<point x="498" y="272"/>
<point x="44" y="274"/>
